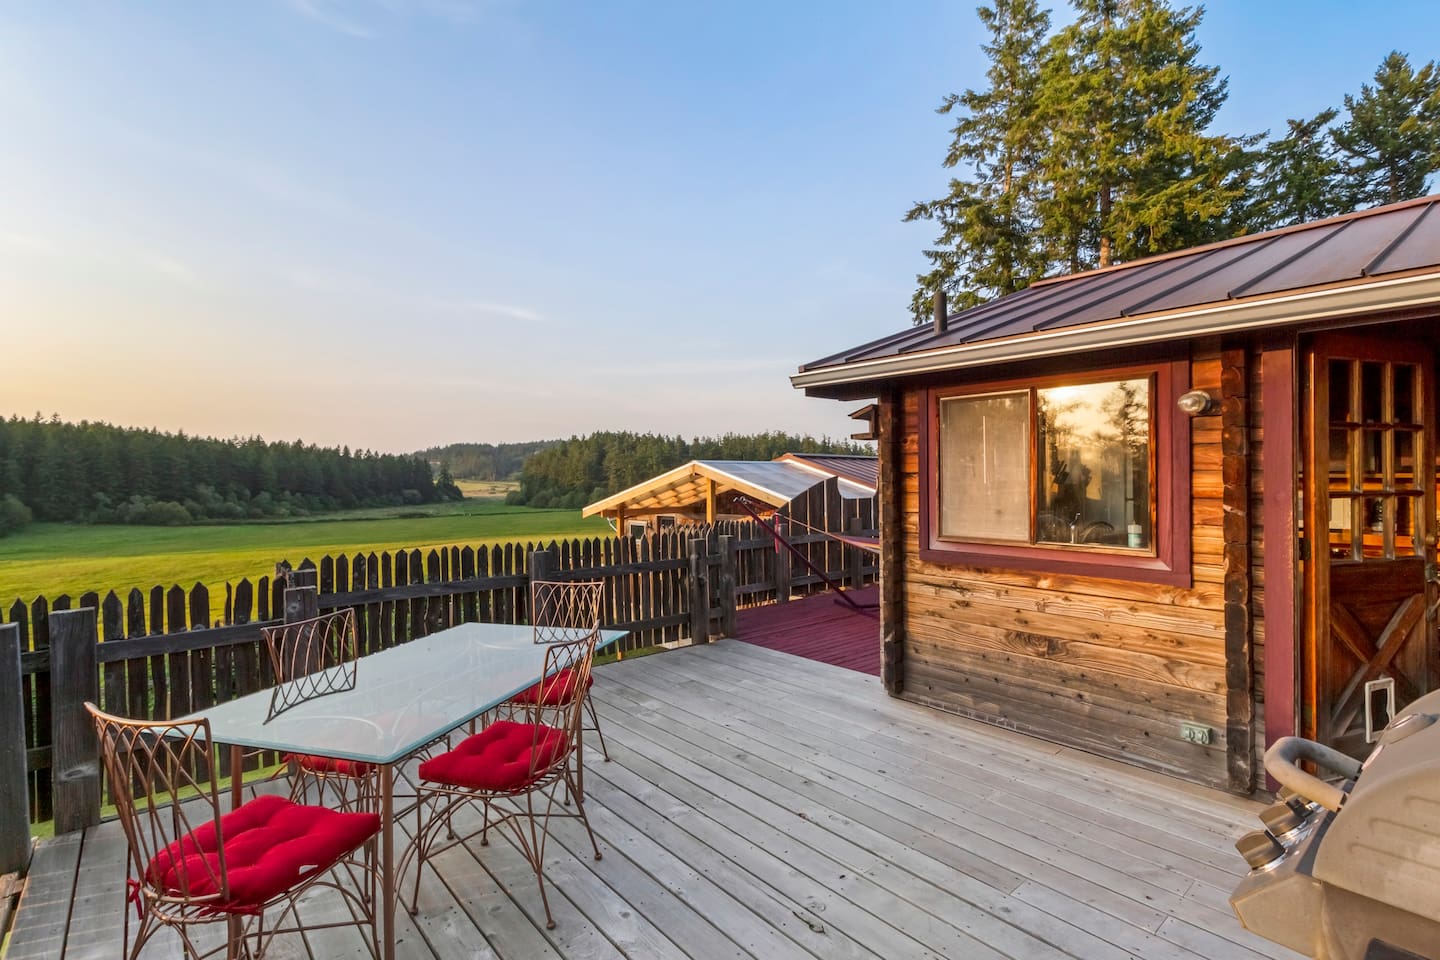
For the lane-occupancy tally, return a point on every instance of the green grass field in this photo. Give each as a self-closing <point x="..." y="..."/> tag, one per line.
<point x="51" y="558"/>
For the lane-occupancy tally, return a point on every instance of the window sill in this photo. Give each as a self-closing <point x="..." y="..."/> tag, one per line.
<point x="1078" y="563"/>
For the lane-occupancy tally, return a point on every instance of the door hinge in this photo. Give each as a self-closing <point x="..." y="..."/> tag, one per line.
<point x="1304" y="549"/>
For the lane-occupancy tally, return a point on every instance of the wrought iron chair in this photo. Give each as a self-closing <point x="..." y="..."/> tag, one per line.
<point x="311" y="658"/>
<point x="513" y="769"/>
<point x="563" y="610"/>
<point x="191" y="865"/>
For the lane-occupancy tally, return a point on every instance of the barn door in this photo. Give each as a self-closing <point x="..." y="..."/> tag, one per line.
<point x="1369" y="530"/>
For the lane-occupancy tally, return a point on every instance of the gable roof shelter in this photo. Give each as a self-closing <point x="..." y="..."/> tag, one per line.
<point x="1171" y="510"/>
<point x="702" y="487"/>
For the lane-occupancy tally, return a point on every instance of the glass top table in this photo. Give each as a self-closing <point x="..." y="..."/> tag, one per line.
<point x="403" y="698"/>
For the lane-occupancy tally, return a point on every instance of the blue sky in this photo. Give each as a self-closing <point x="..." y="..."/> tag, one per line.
<point x="392" y="223"/>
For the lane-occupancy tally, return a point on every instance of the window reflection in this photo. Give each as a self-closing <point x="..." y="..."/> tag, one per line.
<point x="1094" y="471"/>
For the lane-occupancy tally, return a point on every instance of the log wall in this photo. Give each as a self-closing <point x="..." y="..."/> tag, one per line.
<point x="1106" y="665"/>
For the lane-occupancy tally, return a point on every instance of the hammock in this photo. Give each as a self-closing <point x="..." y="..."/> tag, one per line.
<point x="748" y="505"/>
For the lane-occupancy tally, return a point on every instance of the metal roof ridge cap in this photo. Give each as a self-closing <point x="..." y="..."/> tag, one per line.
<point x="910" y="362"/>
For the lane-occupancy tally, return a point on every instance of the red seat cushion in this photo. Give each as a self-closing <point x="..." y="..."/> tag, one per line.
<point x="551" y="692"/>
<point x="499" y="758"/>
<point x="344" y="768"/>
<point x="271" y="844"/>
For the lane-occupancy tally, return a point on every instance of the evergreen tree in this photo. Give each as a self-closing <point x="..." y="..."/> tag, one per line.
<point x="1130" y="167"/>
<point x="1300" y="177"/>
<point x="985" y="247"/>
<point x="1391" y="136"/>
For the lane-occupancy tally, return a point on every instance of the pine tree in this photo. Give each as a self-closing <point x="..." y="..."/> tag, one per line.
<point x="1391" y="138"/>
<point x="986" y="247"/>
<point x="1131" y="168"/>
<point x="1300" y="176"/>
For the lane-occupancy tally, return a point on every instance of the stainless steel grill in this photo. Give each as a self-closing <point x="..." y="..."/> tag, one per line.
<point x="1350" y="870"/>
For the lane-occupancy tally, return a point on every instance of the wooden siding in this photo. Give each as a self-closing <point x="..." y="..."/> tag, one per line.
<point x="1106" y="665"/>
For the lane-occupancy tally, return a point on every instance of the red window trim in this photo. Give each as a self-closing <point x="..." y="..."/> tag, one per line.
<point x="1170" y="563"/>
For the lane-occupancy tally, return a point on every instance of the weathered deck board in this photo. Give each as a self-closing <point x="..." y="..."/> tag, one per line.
<point x="760" y="805"/>
<point x="820" y="628"/>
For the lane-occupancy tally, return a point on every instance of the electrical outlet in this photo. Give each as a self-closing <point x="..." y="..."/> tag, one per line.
<point x="1194" y="733"/>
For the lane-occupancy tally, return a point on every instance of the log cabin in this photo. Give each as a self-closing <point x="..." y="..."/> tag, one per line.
<point x="1171" y="510"/>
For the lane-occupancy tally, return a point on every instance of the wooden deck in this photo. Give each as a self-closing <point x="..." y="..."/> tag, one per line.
<point x="762" y="805"/>
<point x="819" y="627"/>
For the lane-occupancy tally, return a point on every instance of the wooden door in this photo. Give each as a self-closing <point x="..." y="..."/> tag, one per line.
<point x="1369" y="530"/>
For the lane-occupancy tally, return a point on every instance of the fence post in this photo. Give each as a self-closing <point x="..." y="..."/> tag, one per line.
<point x="14" y="798"/>
<point x="782" y="565"/>
<point x="302" y="595"/>
<point x="855" y="567"/>
<point x="699" y="591"/>
<point x="727" y="585"/>
<point x="74" y="679"/>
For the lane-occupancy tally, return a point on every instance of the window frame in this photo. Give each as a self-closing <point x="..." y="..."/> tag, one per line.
<point x="1167" y="562"/>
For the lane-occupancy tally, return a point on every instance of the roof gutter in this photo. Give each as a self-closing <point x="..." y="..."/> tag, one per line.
<point x="1413" y="291"/>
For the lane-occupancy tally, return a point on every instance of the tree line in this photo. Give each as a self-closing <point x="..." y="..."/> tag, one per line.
<point x="581" y="470"/>
<point x="1093" y="145"/>
<point x="98" y="473"/>
<point x="485" y="461"/>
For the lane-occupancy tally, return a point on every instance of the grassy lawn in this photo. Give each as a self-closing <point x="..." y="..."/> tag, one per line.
<point x="487" y="489"/>
<point x="52" y="558"/>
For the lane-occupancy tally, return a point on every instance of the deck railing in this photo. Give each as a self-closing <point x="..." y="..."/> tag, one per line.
<point x="158" y="654"/>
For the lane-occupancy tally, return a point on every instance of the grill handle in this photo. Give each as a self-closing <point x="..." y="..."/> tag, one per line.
<point x="1282" y="763"/>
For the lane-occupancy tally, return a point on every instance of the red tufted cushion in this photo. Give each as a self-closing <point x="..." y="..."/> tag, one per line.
<point x="271" y="844"/>
<point x="498" y="757"/>
<point x="344" y="768"/>
<point x="559" y="689"/>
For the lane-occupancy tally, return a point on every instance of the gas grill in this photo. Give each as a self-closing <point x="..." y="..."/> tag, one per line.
<point x="1350" y="870"/>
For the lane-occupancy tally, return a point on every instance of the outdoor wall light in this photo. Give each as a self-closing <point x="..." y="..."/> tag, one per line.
<point x="1196" y="402"/>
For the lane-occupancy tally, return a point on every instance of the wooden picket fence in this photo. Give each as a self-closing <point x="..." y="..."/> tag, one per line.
<point x="156" y="654"/>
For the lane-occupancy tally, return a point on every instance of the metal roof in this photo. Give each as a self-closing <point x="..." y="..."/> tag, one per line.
<point x="775" y="482"/>
<point x="856" y="467"/>
<point x="1305" y="271"/>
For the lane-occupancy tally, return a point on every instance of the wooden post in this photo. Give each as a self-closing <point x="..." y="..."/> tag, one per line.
<point x="1239" y="641"/>
<point x="782" y="565"/>
<point x="74" y="679"/>
<point x="301" y="603"/>
<point x="699" y="591"/>
<point x="727" y="586"/>
<point x="709" y="501"/>
<point x="14" y="799"/>
<point x="891" y="521"/>
<point x="855" y="560"/>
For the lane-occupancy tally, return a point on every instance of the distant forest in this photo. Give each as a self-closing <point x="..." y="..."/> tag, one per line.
<point x="97" y="473"/>
<point x="485" y="461"/>
<point x="581" y="470"/>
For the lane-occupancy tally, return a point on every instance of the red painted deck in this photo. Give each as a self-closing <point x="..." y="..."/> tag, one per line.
<point x="819" y="627"/>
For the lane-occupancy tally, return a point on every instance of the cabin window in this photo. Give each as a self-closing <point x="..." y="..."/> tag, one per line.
<point x="1061" y="473"/>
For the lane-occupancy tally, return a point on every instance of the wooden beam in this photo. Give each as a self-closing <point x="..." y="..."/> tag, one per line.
<point x="74" y="679"/>
<point x="1278" y="426"/>
<point x="890" y="417"/>
<point x="709" y="500"/>
<point x="1239" y="640"/>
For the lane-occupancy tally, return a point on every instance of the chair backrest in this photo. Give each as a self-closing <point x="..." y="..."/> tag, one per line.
<point x="561" y="698"/>
<point x="311" y="658"/>
<point x="162" y="779"/>
<point x="563" y="610"/>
